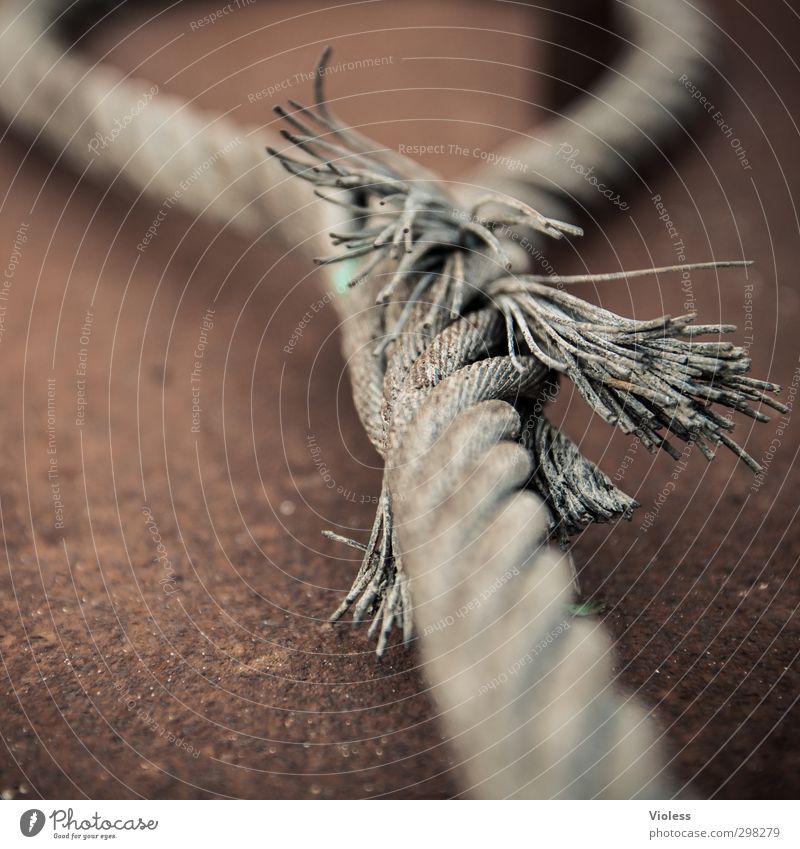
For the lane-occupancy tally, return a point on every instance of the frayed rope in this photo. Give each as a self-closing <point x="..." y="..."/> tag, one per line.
<point x="649" y="378"/>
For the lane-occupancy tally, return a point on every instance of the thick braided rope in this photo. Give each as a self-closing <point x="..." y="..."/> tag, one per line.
<point x="525" y="689"/>
<point x="118" y="128"/>
<point x="526" y="693"/>
<point x="637" y="110"/>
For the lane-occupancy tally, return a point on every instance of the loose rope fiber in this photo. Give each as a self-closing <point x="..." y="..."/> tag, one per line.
<point x="458" y="547"/>
<point x="435" y="337"/>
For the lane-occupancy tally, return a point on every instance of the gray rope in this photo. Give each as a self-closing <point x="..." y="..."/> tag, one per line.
<point x="115" y="128"/>
<point x="637" y="110"/>
<point x="432" y="335"/>
<point x="526" y="690"/>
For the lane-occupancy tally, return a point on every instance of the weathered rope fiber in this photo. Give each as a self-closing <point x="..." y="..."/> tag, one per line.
<point x="434" y="262"/>
<point x="446" y="394"/>
<point x="526" y="689"/>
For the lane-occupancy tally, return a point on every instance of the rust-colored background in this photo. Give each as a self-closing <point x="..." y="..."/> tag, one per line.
<point x="103" y="660"/>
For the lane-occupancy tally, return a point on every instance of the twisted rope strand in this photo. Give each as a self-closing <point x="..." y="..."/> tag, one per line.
<point x="51" y="95"/>
<point x="639" y="375"/>
<point x="633" y="114"/>
<point x="525" y="689"/>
